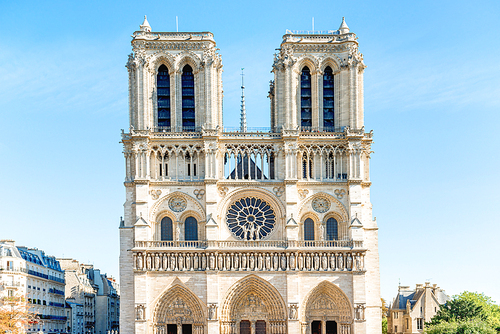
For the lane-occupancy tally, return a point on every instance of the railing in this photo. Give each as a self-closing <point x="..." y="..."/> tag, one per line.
<point x="56" y="304"/>
<point x="10" y="284"/>
<point x="12" y="269"/>
<point x="313" y="32"/>
<point x="251" y="244"/>
<point x="57" y="292"/>
<point x="249" y="129"/>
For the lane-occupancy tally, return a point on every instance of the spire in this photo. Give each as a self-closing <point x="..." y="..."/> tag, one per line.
<point x="344" y="29"/>
<point x="243" y="114"/>
<point x="145" y="25"/>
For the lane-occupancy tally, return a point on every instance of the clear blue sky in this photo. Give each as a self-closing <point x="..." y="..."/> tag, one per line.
<point x="432" y="97"/>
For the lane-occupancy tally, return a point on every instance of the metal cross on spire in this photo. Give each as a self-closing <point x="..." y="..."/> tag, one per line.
<point x="243" y="113"/>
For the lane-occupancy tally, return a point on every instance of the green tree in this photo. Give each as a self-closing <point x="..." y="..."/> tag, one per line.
<point x="468" y="313"/>
<point x="384" y="316"/>
<point x="470" y="326"/>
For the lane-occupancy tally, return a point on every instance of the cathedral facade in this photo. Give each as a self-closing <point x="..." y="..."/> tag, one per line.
<point x="241" y="231"/>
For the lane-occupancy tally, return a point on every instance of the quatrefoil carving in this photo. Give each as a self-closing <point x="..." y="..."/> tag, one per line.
<point x="199" y="193"/>
<point x="339" y="193"/>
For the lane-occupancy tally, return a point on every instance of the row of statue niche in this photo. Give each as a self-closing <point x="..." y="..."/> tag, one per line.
<point x="250" y="261"/>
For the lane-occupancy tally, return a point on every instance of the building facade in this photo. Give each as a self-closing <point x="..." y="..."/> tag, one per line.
<point x="30" y="273"/>
<point x="74" y="313"/>
<point x="235" y="231"/>
<point x="97" y="294"/>
<point x="411" y="309"/>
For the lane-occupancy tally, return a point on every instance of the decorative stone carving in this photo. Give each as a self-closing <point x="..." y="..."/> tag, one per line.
<point x="212" y="312"/>
<point x="140" y="312"/>
<point x="177" y="204"/>
<point x="321" y="204"/>
<point x="339" y="193"/>
<point x="223" y="191"/>
<point x="359" y="312"/>
<point x="303" y="193"/>
<point x="293" y="310"/>
<point x="155" y="194"/>
<point x="250" y="261"/>
<point x="279" y="191"/>
<point x="199" y="193"/>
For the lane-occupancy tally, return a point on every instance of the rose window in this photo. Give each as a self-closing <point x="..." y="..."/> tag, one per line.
<point x="250" y="218"/>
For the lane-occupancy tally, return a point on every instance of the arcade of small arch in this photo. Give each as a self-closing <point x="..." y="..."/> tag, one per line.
<point x="338" y="162"/>
<point x="251" y="306"/>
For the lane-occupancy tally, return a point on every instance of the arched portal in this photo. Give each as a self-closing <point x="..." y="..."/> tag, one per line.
<point x="179" y="311"/>
<point x="327" y="310"/>
<point x="253" y="302"/>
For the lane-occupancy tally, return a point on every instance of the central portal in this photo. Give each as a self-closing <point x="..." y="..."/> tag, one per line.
<point x="246" y="327"/>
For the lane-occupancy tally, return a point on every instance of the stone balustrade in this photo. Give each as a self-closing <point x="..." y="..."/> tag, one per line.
<point x="249" y="261"/>
<point x="285" y="244"/>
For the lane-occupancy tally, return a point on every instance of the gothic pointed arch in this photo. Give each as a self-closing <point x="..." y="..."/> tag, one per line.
<point x="253" y="298"/>
<point x="335" y="206"/>
<point x="176" y="204"/>
<point x="179" y="304"/>
<point x="328" y="302"/>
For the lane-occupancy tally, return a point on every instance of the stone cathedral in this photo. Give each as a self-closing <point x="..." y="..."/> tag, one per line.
<point x="239" y="231"/>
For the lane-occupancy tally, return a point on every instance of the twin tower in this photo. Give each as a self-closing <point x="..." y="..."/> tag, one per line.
<point x="247" y="232"/>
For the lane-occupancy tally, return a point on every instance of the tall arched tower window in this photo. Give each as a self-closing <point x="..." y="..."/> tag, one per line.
<point x="305" y="99"/>
<point x="163" y="97"/>
<point x="188" y="105"/>
<point x="309" y="229"/>
<point x="191" y="229"/>
<point x="166" y="229"/>
<point x="332" y="229"/>
<point x="328" y="100"/>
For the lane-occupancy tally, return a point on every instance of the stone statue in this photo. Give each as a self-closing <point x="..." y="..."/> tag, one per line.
<point x="244" y="261"/>
<point x="268" y="261"/>
<point x="292" y="261"/>
<point x="165" y="262"/>
<point x="251" y="260"/>
<point x="316" y="261"/>
<point x="341" y="261"/>
<point x="157" y="262"/>
<point x="308" y="262"/>
<point x="139" y="312"/>
<point x="172" y="262"/>
<point x="180" y="261"/>
<point x="324" y="262"/>
<point x="196" y="262"/>
<point x="275" y="261"/>
<point x="349" y="262"/>
<point x="148" y="262"/>
<point x="212" y="261"/>
<point x="139" y="261"/>
<point x="293" y="311"/>
<point x="332" y="262"/>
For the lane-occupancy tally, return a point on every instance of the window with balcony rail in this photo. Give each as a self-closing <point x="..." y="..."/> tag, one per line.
<point x="188" y="101"/>
<point x="309" y="229"/>
<point x="328" y="100"/>
<point x="163" y="97"/>
<point x="166" y="229"/>
<point x="305" y="98"/>
<point x="191" y="229"/>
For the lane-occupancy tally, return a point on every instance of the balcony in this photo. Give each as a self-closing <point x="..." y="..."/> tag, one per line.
<point x="260" y="244"/>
